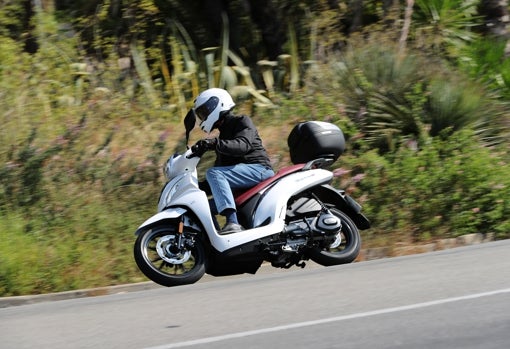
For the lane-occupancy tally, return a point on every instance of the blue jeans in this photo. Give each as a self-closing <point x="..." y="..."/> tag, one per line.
<point x="224" y="179"/>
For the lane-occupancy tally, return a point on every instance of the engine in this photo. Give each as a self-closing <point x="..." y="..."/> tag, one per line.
<point x="299" y="235"/>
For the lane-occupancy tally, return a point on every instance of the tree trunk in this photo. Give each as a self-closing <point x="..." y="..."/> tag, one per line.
<point x="405" y="29"/>
<point x="356" y="6"/>
<point x="495" y="13"/>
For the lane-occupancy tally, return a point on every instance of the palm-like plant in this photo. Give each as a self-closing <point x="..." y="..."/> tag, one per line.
<point x="444" y="26"/>
<point x="382" y="93"/>
<point x="484" y="61"/>
<point x="452" y="105"/>
<point x="394" y="101"/>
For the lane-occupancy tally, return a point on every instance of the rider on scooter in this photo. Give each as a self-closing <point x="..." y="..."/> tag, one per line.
<point x="241" y="160"/>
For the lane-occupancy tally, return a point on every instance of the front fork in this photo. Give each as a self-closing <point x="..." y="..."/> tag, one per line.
<point x="180" y="230"/>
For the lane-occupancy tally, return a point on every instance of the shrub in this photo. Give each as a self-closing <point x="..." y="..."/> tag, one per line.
<point x="393" y="100"/>
<point x="450" y="187"/>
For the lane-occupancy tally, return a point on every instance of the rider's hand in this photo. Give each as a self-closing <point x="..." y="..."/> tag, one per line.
<point x="204" y="145"/>
<point x="210" y="143"/>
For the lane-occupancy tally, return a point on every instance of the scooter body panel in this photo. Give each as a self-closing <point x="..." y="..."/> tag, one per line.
<point x="272" y="208"/>
<point x="184" y="195"/>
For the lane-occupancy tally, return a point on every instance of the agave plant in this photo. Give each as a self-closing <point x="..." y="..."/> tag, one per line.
<point x="394" y="101"/>
<point x="444" y="26"/>
<point x="392" y="120"/>
<point x="382" y="93"/>
<point x="452" y="105"/>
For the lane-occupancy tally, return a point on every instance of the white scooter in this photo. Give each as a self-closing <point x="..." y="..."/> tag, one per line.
<point x="289" y="218"/>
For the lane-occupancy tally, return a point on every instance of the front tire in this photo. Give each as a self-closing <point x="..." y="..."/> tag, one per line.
<point x="344" y="249"/>
<point x="169" y="258"/>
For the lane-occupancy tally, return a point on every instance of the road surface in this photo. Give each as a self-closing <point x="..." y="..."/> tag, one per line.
<point x="458" y="298"/>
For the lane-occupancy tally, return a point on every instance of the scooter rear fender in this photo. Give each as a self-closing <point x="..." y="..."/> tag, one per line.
<point x="343" y="202"/>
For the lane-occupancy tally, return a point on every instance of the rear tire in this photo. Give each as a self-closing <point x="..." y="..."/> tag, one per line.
<point x="161" y="259"/>
<point x="346" y="251"/>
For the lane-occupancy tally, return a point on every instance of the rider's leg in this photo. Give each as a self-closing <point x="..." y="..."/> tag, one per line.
<point x="225" y="178"/>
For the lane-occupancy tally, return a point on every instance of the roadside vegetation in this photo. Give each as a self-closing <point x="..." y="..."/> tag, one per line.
<point x="91" y="106"/>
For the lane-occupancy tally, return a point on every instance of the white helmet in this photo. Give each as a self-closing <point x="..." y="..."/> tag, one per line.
<point x="209" y="105"/>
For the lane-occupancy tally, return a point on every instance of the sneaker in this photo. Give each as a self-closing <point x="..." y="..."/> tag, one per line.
<point x="230" y="228"/>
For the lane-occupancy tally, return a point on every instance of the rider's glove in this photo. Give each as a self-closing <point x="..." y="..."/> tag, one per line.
<point x="211" y="143"/>
<point x="204" y="145"/>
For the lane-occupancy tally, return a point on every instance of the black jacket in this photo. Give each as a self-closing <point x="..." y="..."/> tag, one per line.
<point x="239" y="142"/>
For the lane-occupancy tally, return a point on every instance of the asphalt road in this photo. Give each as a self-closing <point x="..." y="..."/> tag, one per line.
<point x="458" y="298"/>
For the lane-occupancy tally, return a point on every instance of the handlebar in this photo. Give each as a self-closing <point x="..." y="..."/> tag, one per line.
<point x="191" y="153"/>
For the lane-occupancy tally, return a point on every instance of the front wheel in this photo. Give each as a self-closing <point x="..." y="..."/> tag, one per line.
<point x="345" y="246"/>
<point x="169" y="258"/>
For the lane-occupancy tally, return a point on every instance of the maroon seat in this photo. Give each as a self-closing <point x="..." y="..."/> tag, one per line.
<point x="242" y="197"/>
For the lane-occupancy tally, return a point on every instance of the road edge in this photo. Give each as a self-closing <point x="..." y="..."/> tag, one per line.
<point x="365" y="255"/>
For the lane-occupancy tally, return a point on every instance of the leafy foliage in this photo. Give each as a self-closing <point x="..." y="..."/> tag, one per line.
<point x="394" y="101"/>
<point x="445" y="26"/>
<point x="88" y="119"/>
<point x="485" y="60"/>
<point x="450" y="187"/>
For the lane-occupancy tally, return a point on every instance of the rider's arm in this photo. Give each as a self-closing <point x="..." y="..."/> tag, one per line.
<point x="239" y="140"/>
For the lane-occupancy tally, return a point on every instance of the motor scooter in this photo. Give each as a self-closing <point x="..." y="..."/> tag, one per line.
<point x="290" y="218"/>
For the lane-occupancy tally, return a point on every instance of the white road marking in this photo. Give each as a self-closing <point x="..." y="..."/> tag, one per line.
<point x="328" y="320"/>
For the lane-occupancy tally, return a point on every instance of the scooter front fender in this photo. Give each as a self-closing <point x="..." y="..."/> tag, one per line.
<point x="170" y="213"/>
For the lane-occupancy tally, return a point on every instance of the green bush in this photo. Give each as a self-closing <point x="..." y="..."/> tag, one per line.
<point x="448" y="188"/>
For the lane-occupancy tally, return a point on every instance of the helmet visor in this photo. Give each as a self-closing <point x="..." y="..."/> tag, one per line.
<point x="207" y="108"/>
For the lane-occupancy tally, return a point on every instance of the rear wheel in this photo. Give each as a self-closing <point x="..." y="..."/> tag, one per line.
<point x="343" y="248"/>
<point x="169" y="258"/>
